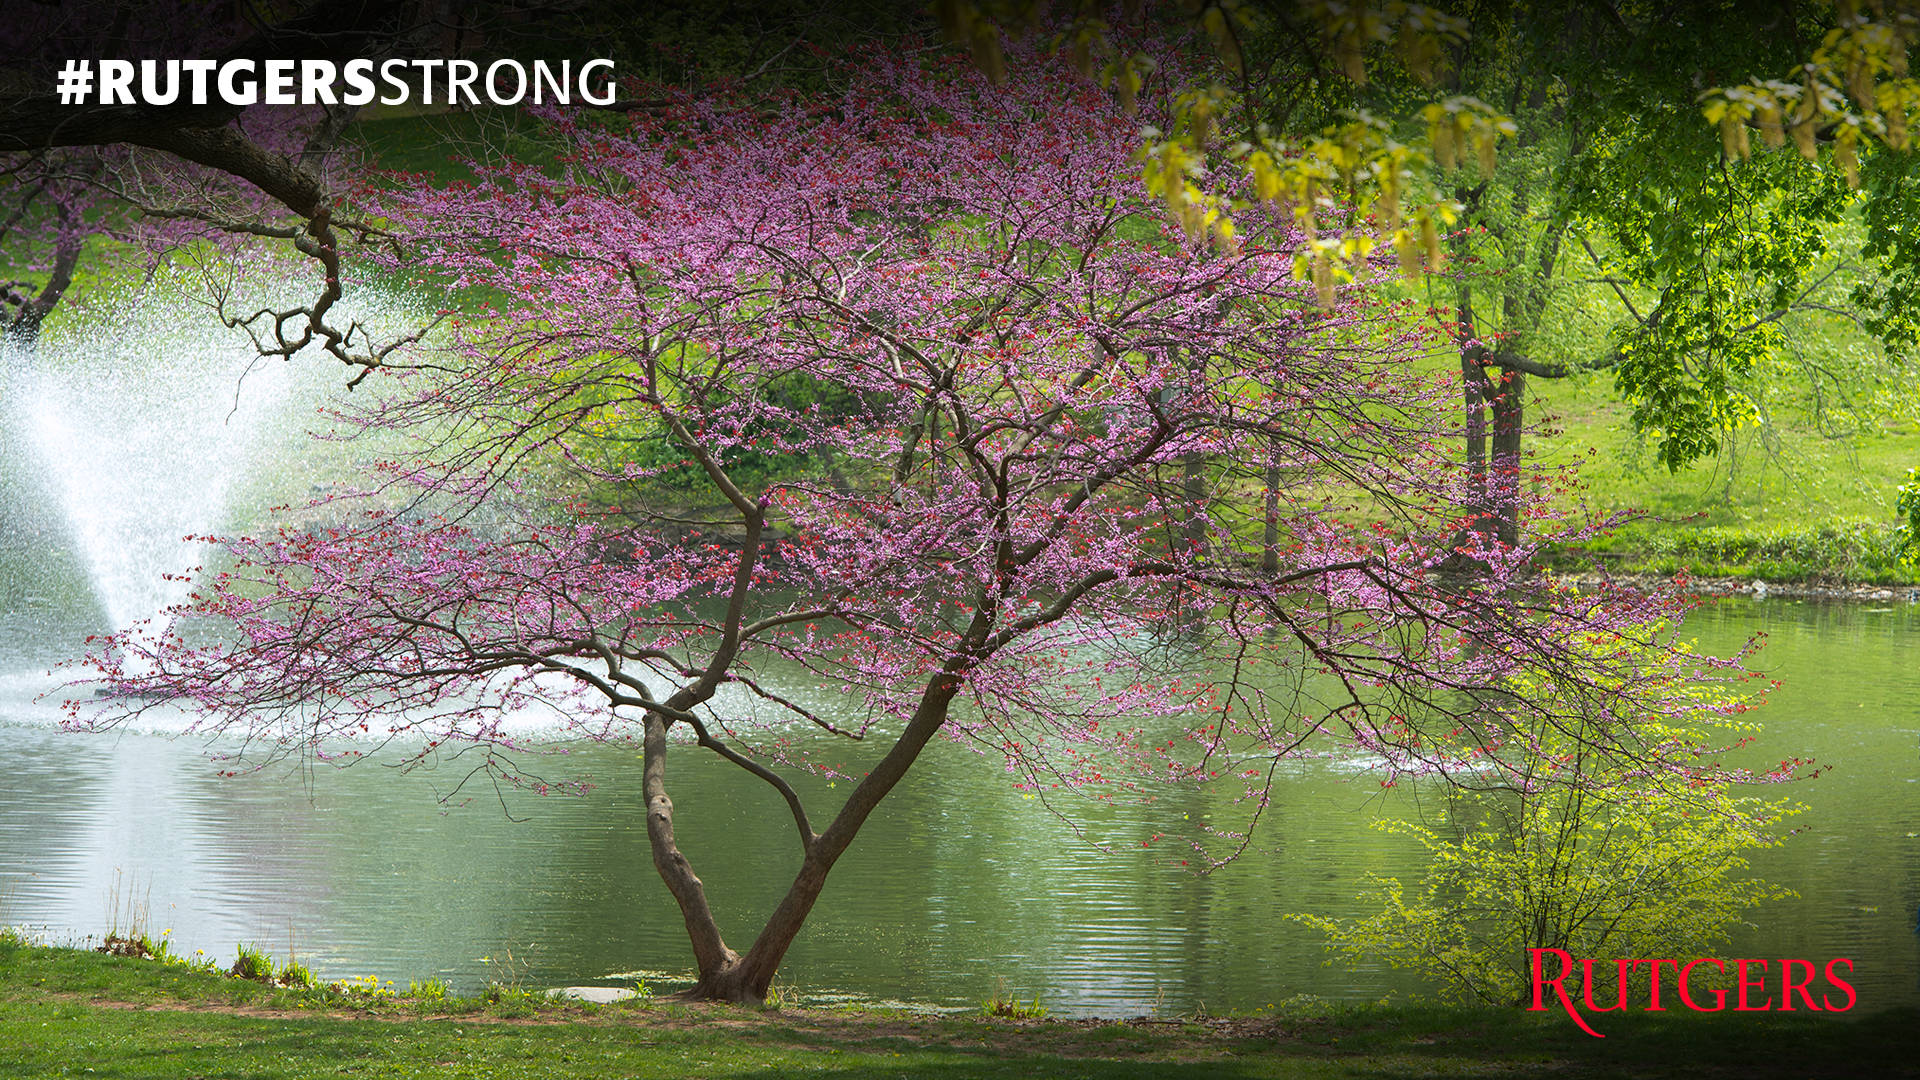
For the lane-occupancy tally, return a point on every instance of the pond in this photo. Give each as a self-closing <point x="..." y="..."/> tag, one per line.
<point x="960" y="884"/>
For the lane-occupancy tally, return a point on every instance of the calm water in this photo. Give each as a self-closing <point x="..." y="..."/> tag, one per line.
<point x="957" y="884"/>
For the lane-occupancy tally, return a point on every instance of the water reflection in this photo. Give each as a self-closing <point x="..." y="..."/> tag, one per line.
<point x="959" y="882"/>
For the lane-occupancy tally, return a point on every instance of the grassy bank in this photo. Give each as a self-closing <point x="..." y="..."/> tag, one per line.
<point x="1827" y="553"/>
<point x="65" y="1012"/>
<point x="1784" y="503"/>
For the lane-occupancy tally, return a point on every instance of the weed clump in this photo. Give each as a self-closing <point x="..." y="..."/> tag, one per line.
<point x="1006" y="1006"/>
<point x="252" y="964"/>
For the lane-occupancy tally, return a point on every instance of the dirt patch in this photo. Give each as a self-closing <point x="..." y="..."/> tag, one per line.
<point x="273" y="1012"/>
<point x="1185" y="1039"/>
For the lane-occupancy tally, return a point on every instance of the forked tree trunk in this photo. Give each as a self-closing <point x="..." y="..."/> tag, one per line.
<point x="710" y="952"/>
<point x="1493" y="479"/>
<point x="728" y="976"/>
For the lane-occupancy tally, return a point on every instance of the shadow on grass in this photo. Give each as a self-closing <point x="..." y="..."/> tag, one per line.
<point x="64" y="1037"/>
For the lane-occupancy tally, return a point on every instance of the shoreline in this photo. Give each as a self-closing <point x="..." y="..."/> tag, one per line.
<point x="1753" y="589"/>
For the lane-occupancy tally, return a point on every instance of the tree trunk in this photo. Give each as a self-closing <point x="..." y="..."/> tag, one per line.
<point x="710" y="953"/>
<point x="23" y="333"/>
<point x="1270" y="527"/>
<point x="1509" y="402"/>
<point x="1476" y="389"/>
<point x="725" y="975"/>
<point x="1193" y="489"/>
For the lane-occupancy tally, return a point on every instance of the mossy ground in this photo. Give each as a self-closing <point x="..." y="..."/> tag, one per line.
<point x="66" y="1012"/>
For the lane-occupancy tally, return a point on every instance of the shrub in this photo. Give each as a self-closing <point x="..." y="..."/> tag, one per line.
<point x="1650" y="874"/>
<point x="1568" y="850"/>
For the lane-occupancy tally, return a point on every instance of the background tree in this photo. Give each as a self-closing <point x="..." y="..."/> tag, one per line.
<point x="151" y="208"/>
<point x="1852" y="91"/>
<point x="1612" y="235"/>
<point x="1614" y="238"/>
<point x="1030" y="352"/>
<point x="158" y="175"/>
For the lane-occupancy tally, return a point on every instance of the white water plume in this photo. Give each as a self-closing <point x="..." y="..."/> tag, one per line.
<point x="144" y="430"/>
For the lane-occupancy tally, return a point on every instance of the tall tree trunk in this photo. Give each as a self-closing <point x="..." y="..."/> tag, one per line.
<point x="1270" y="526"/>
<point x="1193" y="490"/>
<point x="1509" y="402"/>
<point x="1476" y="389"/>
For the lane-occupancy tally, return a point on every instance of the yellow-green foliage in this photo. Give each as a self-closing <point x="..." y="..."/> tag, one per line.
<point x="1591" y="856"/>
<point x="1910" y="509"/>
<point x="1647" y="876"/>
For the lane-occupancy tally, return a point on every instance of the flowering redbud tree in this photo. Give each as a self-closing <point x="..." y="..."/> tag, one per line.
<point x="915" y="391"/>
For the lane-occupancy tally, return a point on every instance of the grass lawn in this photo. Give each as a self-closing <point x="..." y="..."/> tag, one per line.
<point x="65" y="1012"/>
<point x="1784" y="504"/>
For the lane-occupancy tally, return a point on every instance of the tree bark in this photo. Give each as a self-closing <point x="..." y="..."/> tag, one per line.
<point x="1509" y="404"/>
<point x="1193" y="489"/>
<point x="23" y="333"/>
<point x="710" y="953"/>
<point x="1476" y="388"/>
<point x="1270" y="526"/>
<point x="747" y="978"/>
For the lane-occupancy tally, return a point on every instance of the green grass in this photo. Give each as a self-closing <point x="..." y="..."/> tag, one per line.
<point x="438" y="144"/>
<point x="1794" y="505"/>
<point x="1827" y="553"/>
<point x="70" y="1013"/>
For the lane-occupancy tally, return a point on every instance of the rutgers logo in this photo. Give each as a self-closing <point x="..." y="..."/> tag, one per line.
<point x="1759" y="985"/>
